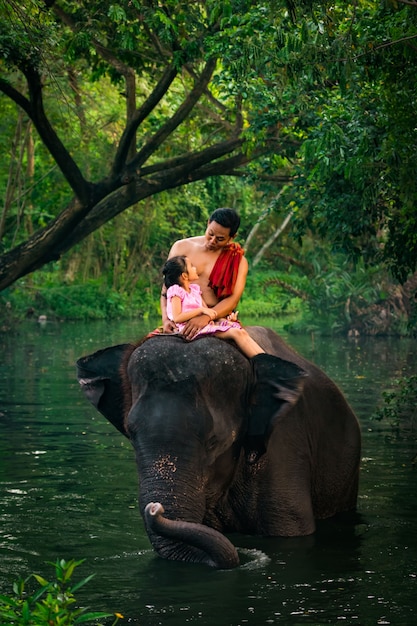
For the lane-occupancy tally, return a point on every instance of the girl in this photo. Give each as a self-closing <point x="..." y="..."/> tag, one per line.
<point x="184" y="301"/>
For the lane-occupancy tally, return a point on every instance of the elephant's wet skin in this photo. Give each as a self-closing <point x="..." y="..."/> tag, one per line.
<point x="195" y="409"/>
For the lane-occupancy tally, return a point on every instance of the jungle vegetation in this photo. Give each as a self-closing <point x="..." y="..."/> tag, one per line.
<point x="36" y="601"/>
<point x="125" y="124"/>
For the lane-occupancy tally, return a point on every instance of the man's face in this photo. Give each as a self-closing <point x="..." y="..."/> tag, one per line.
<point x="216" y="236"/>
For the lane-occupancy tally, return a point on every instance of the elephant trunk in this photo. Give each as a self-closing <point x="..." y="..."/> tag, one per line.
<point x="211" y="547"/>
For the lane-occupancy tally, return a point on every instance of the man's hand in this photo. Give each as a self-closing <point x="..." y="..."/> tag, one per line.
<point x="193" y="325"/>
<point x="169" y="326"/>
<point x="232" y="317"/>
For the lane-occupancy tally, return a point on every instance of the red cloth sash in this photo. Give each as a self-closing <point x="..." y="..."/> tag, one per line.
<point x="224" y="273"/>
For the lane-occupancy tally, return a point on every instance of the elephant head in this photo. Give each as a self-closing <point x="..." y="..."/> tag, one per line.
<point x="186" y="408"/>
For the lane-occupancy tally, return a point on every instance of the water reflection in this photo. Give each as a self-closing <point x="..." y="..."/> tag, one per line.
<point x="69" y="490"/>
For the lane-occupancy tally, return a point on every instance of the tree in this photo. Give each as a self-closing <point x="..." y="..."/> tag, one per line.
<point x="358" y="169"/>
<point x="315" y="94"/>
<point x="185" y="117"/>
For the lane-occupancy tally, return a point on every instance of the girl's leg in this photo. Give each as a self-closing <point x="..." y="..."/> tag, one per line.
<point x="245" y="342"/>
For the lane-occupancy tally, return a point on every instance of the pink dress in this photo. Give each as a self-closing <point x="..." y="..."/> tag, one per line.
<point x="193" y="300"/>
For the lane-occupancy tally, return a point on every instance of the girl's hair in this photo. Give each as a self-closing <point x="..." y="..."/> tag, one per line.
<point x="173" y="269"/>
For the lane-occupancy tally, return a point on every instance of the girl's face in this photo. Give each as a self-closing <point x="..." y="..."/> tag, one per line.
<point x="191" y="271"/>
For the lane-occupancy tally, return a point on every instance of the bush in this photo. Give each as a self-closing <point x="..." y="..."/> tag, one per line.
<point x="92" y="300"/>
<point x="400" y="403"/>
<point x="50" y="604"/>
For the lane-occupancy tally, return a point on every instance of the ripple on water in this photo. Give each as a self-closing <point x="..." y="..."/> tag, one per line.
<point x="254" y="559"/>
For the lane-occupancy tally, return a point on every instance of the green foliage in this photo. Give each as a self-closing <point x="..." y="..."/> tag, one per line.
<point x="92" y="299"/>
<point x="253" y="307"/>
<point x="399" y="407"/>
<point x="336" y="294"/>
<point x="266" y="295"/>
<point x="51" y="604"/>
<point x="359" y="172"/>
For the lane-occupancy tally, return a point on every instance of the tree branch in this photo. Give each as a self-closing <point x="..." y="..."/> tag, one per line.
<point x="178" y="117"/>
<point x="124" y="69"/>
<point x="141" y="114"/>
<point x="260" y="219"/>
<point x="272" y="238"/>
<point x="15" y="95"/>
<point x="37" y="114"/>
<point x="409" y="2"/>
<point x="194" y="159"/>
<point x="296" y="292"/>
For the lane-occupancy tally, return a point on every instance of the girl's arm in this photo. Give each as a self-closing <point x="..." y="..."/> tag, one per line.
<point x="178" y="316"/>
<point x="212" y="312"/>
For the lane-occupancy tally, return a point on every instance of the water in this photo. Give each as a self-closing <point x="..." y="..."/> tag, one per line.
<point x="68" y="489"/>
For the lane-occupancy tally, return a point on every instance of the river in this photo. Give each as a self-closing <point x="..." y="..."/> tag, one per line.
<point x="68" y="489"/>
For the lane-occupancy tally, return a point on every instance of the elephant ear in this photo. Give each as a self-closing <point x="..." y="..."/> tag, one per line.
<point x="278" y="386"/>
<point x="100" y="377"/>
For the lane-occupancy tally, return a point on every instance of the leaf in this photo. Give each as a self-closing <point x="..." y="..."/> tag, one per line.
<point x="42" y="581"/>
<point x="26" y="610"/>
<point x="87" y="617"/>
<point x="81" y="583"/>
<point x="8" y="601"/>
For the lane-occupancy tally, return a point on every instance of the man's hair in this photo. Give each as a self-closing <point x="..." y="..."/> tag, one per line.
<point x="173" y="269"/>
<point x="227" y="218"/>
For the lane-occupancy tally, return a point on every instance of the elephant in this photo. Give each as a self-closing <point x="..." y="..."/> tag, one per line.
<point x="186" y="408"/>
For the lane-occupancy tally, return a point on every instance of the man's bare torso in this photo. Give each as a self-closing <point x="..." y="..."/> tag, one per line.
<point x="203" y="260"/>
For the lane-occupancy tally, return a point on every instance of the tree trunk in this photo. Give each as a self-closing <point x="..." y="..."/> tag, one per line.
<point x="271" y="239"/>
<point x="14" y="174"/>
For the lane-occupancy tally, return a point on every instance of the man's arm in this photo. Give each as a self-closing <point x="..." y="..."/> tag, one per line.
<point x="229" y="304"/>
<point x="167" y="325"/>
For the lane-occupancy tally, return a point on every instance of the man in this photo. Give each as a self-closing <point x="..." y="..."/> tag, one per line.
<point x="222" y="269"/>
